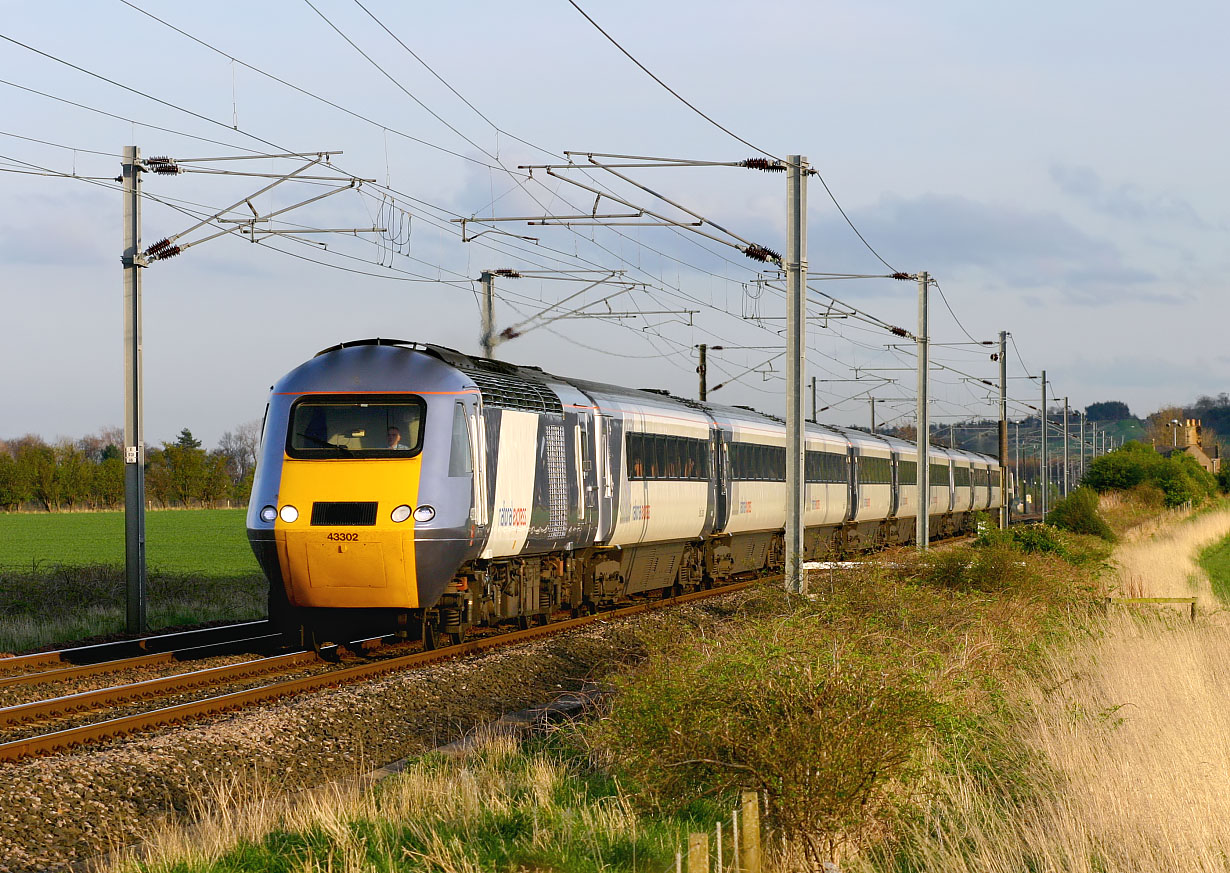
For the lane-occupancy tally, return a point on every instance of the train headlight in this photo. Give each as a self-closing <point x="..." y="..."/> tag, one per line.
<point x="400" y="514"/>
<point x="289" y="514"/>
<point x="268" y="514"/>
<point x="425" y="512"/>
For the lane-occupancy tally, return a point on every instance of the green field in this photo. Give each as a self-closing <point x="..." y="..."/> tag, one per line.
<point x="1216" y="562"/>
<point x="203" y="542"/>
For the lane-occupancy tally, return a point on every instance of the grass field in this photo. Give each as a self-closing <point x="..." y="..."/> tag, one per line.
<point x="62" y="574"/>
<point x="204" y="542"/>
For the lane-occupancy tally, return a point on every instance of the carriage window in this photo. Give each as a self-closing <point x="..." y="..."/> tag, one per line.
<point x="356" y="427"/>
<point x="459" y="460"/>
<point x="907" y="472"/>
<point x="657" y="456"/>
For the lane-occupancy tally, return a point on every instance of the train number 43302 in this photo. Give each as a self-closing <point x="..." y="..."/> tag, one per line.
<point x="343" y="537"/>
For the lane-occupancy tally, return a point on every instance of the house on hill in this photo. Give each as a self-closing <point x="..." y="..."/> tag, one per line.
<point x="1188" y="438"/>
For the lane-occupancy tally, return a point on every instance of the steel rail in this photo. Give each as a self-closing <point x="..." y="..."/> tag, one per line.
<point x="149" y="688"/>
<point x="211" y="650"/>
<point x="158" y="643"/>
<point x="62" y="741"/>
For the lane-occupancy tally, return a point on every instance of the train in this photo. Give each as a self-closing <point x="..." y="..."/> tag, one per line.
<point x="408" y="487"/>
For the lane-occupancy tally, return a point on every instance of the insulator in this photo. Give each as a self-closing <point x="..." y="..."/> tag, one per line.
<point x="760" y="253"/>
<point x="508" y="274"/>
<point x="164" y="250"/>
<point x="508" y="333"/>
<point x="902" y="276"/>
<point x="899" y="331"/>
<point x="764" y="164"/>
<point x="163" y="166"/>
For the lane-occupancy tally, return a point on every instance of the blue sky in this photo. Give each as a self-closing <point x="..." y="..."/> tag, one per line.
<point x="1057" y="167"/>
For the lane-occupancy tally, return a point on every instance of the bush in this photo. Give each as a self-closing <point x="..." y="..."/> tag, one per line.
<point x="1180" y="476"/>
<point x="1039" y="539"/>
<point x="819" y="721"/>
<point x="1028" y="538"/>
<point x="993" y="567"/>
<point x="1078" y="513"/>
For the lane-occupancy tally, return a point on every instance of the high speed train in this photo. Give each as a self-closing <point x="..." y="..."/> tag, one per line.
<point x="408" y="485"/>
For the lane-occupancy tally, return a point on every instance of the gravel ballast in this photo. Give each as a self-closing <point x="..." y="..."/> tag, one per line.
<point x="59" y="810"/>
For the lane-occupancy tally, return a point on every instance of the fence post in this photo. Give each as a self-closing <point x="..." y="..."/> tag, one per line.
<point x="749" y="845"/>
<point x="698" y="853"/>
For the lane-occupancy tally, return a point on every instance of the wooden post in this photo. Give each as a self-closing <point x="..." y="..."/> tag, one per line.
<point x="749" y="845"/>
<point x="698" y="853"/>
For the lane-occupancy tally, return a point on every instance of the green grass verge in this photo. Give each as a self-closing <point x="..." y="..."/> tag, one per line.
<point x="1215" y="560"/>
<point x="207" y="542"/>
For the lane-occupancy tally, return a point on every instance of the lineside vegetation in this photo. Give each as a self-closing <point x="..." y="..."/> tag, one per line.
<point x="842" y="708"/>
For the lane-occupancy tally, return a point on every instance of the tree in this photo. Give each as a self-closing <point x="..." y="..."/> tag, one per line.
<point x="14" y="482"/>
<point x="240" y="447"/>
<point x="187" y="440"/>
<point x="38" y="463"/>
<point x="1180" y="476"/>
<point x="1159" y="428"/>
<point x="108" y="486"/>
<point x="75" y="473"/>
<point x="1108" y="410"/>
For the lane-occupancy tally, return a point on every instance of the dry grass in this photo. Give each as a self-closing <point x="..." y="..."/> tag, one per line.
<point x="493" y="806"/>
<point x="1130" y="729"/>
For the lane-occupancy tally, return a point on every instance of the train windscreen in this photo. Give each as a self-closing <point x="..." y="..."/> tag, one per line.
<point x="356" y="427"/>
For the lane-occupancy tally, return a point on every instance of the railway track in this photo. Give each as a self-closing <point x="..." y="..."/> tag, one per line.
<point x="167" y="646"/>
<point x="320" y="674"/>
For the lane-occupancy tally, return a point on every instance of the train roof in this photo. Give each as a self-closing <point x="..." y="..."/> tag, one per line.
<point x="530" y="388"/>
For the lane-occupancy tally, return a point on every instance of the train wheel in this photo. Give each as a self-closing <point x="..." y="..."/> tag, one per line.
<point x="429" y="630"/>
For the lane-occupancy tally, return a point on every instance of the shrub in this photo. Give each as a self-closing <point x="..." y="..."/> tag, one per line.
<point x="1180" y="476"/>
<point x="820" y="721"/>
<point x="1028" y="538"/>
<point x="1078" y="512"/>
<point x="1038" y="539"/>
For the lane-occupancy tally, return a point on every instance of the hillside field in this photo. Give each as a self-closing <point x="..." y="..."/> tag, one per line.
<point x="205" y="542"/>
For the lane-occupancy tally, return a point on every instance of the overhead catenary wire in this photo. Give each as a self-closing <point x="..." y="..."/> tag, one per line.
<point x="674" y="292"/>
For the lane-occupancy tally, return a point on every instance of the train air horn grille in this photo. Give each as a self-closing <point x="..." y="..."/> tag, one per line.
<point x="344" y="514"/>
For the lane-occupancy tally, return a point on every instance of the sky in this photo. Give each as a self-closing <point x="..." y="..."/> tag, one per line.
<point x="1058" y="168"/>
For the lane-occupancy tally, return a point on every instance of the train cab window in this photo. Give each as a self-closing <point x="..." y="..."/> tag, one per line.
<point x="356" y="427"/>
<point x="460" y="459"/>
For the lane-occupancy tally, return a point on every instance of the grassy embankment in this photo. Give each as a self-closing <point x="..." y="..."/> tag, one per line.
<point x="849" y="710"/>
<point x="972" y="711"/>
<point x="62" y="574"/>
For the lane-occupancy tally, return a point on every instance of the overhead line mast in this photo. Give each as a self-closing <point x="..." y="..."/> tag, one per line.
<point x="134" y="259"/>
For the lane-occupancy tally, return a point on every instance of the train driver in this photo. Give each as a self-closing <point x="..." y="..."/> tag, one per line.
<point x="395" y="439"/>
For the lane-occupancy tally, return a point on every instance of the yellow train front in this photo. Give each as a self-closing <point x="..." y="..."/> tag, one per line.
<point x="360" y="510"/>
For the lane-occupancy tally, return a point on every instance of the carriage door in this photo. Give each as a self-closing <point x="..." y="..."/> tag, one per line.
<point x="601" y="488"/>
<point x="479" y="514"/>
<point x="720" y="476"/>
